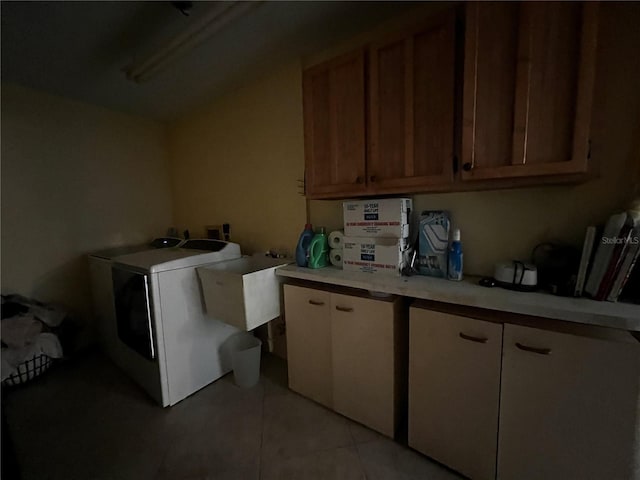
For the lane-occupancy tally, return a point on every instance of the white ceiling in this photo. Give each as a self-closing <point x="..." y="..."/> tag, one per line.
<point x="79" y="49"/>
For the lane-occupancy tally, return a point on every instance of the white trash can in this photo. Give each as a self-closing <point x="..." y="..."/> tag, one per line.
<point x="245" y="359"/>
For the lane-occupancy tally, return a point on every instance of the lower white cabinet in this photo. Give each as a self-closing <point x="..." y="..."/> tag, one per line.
<point x="307" y="316"/>
<point x="345" y="351"/>
<point x="569" y="407"/>
<point x="489" y="400"/>
<point x="454" y="389"/>
<point x="365" y="344"/>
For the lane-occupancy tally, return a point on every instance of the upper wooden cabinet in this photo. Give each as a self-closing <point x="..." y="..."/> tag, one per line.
<point x="334" y="126"/>
<point x="408" y="115"/>
<point x="391" y="118"/>
<point x="528" y="83"/>
<point x="411" y="108"/>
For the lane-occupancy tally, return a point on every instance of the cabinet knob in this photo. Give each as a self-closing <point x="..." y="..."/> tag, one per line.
<point x="373" y="178"/>
<point x="359" y="179"/>
<point x="315" y="302"/>
<point x="344" y="309"/>
<point x="471" y="338"/>
<point x="539" y="351"/>
<point x="467" y="167"/>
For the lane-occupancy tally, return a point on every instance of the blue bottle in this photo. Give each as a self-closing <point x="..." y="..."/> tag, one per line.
<point x="455" y="257"/>
<point x="302" y="250"/>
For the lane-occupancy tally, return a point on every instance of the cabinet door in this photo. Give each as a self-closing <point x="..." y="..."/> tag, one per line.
<point x="569" y="407"/>
<point x="454" y="388"/>
<point x="411" y="102"/>
<point x="307" y="314"/>
<point x="363" y="360"/>
<point x="334" y="126"/>
<point x="528" y="85"/>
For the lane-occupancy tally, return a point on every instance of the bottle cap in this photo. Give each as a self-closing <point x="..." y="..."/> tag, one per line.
<point x="456" y="235"/>
<point x="308" y="226"/>
<point x="320" y="230"/>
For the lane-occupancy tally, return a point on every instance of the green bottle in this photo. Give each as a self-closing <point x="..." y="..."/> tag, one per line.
<point x="319" y="250"/>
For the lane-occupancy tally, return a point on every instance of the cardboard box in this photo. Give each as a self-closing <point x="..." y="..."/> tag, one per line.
<point x="389" y="217"/>
<point x="433" y="243"/>
<point x="373" y="255"/>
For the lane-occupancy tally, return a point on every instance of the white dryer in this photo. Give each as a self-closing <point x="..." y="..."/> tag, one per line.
<point x="165" y="340"/>
<point x="102" y="289"/>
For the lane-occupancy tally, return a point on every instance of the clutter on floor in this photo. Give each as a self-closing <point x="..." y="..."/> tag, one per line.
<point x="33" y="334"/>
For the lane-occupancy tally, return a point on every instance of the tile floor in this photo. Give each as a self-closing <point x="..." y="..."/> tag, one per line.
<point x="86" y="420"/>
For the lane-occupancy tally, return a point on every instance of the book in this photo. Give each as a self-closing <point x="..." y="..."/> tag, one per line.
<point x="619" y="251"/>
<point x="629" y="261"/>
<point x="631" y="290"/>
<point x="587" y="250"/>
<point x="604" y="252"/>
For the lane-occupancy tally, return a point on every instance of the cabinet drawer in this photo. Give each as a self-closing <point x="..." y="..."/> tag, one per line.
<point x="454" y="385"/>
<point x="309" y="342"/>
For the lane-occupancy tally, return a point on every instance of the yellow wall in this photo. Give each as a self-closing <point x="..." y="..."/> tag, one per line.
<point x="75" y="178"/>
<point x="507" y="224"/>
<point x="239" y="160"/>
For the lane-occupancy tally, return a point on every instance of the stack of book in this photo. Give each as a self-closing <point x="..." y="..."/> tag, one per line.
<point x="611" y="259"/>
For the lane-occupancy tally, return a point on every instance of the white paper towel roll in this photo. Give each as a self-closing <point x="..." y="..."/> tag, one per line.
<point x="335" y="239"/>
<point x="335" y="257"/>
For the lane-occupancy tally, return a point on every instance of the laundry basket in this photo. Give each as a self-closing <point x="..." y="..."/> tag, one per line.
<point x="28" y="370"/>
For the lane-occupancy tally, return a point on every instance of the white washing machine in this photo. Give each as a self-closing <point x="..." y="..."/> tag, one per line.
<point x="160" y="334"/>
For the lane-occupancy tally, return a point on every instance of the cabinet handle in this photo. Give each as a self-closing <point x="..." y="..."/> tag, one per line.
<point x="467" y="167"/>
<point x="315" y="302"/>
<point x="373" y="178"/>
<point x="344" y="309"/>
<point x="473" y="339"/>
<point x="539" y="351"/>
<point x="359" y="179"/>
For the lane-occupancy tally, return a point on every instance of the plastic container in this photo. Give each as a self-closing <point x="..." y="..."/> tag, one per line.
<point x="302" y="249"/>
<point x="455" y="257"/>
<point x="319" y="250"/>
<point x="245" y="359"/>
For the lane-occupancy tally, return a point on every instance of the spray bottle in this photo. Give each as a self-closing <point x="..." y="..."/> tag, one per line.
<point x="455" y="257"/>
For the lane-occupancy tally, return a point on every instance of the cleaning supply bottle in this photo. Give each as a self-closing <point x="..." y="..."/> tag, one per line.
<point x="319" y="250"/>
<point x="302" y="249"/>
<point x="455" y="257"/>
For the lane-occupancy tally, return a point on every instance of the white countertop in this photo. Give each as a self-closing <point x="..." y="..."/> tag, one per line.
<point x="468" y="293"/>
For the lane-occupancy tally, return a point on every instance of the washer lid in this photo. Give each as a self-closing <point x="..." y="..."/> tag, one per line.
<point x="160" y="242"/>
<point x="204" y="244"/>
<point x="111" y="253"/>
<point x="172" y="258"/>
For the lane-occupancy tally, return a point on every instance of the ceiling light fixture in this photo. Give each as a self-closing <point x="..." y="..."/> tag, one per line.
<point x="220" y="15"/>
